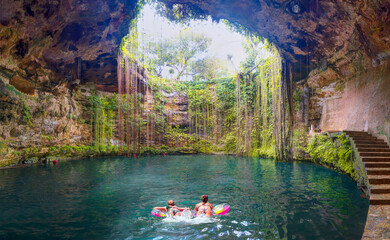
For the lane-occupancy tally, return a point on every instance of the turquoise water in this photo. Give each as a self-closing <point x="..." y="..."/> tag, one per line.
<point x="111" y="198"/>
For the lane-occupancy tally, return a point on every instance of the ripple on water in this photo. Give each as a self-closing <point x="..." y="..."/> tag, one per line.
<point x="189" y="220"/>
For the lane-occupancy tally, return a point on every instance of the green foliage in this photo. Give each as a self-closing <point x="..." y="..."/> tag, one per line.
<point x="164" y="147"/>
<point x="263" y="151"/>
<point x="26" y="114"/>
<point x="345" y="156"/>
<point x="177" y="137"/>
<point x="53" y="149"/>
<point x="28" y="151"/>
<point x="46" y="138"/>
<point x="177" y="54"/>
<point x="203" y="146"/>
<point x="322" y="149"/>
<point x="180" y="13"/>
<point x="3" y="148"/>
<point x="230" y="143"/>
<point x="332" y="152"/>
<point x="158" y="83"/>
<point x="80" y="120"/>
<point x="102" y="110"/>
<point x="77" y="150"/>
<point x="70" y="116"/>
<point x="17" y="153"/>
<point x="209" y="68"/>
<point x="300" y="142"/>
<point x="225" y="90"/>
<point x="13" y="89"/>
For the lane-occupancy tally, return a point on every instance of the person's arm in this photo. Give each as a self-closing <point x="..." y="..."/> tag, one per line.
<point x="211" y="206"/>
<point x="182" y="209"/>
<point x="196" y="207"/>
<point x="162" y="209"/>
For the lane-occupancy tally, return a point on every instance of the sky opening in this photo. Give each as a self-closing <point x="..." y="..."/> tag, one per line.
<point x="224" y="41"/>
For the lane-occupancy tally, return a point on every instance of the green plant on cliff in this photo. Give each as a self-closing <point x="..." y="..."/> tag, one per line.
<point x="3" y="148"/>
<point x="335" y="152"/>
<point x="17" y="153"/>
<point x="103" y="111"/>
<point x="345" y="156"/>
<point x="177" y="137"/>
<point x="46" y="137"/>
<point x="26" y="114"/>
<point x="300" y="142"/>
<point x="13" y="89"/>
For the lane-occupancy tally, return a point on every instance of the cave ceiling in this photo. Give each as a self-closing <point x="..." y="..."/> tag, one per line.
<point x="312" y="33"/>
<point x="46" y="41"/>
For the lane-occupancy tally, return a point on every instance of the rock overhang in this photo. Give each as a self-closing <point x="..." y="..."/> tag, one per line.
<point x="45" y="40"/>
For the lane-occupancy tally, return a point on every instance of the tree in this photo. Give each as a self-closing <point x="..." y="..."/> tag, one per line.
<point x="209" y="68"/>
<point x="176" y="53"/>
<point x="188" y="45"/>
<point x="159" y="55"/>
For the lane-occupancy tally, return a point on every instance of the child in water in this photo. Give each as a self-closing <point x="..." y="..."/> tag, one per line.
<point x="171" y="207"/>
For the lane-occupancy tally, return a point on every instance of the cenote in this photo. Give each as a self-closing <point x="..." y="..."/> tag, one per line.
<point x="111" y="198"/>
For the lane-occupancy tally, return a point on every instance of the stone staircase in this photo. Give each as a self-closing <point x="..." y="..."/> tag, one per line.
<point x="375" y="154"/>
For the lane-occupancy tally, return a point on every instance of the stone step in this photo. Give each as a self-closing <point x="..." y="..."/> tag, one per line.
<point x="375" y="159"/>
<point x="369" y="145"/>
<point x="362" y="137"/>
<point x="380" y="188"/>
<point x="370" y="140"/>
<point x="372" y="145"/>
<point x="377" y="171"/>
<point x="377" y="164"/>
<point x="362" y="141"/>
<point x="355" y="132"/>
<point x="367" y="138"/>
<point x="374" y="149"/>
<point x="379" y="179"/>
<point x="374" y="154"/>
<point x="380" y="199"/>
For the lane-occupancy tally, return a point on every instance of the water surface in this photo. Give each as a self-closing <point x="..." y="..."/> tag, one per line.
<point x="111" y="198"/>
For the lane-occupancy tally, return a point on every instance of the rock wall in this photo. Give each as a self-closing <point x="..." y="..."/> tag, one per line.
<point x="363" y="104"/>
<point x="39" y="122"/>
<point x="175" y="113"/>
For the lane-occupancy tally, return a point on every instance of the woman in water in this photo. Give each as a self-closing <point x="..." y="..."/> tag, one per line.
<point x="204" y="207"/>
<point x="175" y="211"/>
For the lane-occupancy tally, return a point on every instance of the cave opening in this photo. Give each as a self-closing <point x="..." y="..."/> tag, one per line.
<point x="195" y="85"/>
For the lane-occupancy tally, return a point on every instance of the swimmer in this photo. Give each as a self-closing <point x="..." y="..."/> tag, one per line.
<point x="175" y="211"/>
<point x="204" y="207"/>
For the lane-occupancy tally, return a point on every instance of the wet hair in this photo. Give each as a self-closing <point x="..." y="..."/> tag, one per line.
<point x="204" y="198"/>
<point x="171" y="203"/>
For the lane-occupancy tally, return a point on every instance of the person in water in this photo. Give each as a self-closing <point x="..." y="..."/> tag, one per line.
<point x="171" y="207"/>
<point x="204" y="207"/>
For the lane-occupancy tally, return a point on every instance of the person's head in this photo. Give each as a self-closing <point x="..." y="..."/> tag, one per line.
<point x="204" y="198"/>
<point x="171" y="203"/>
